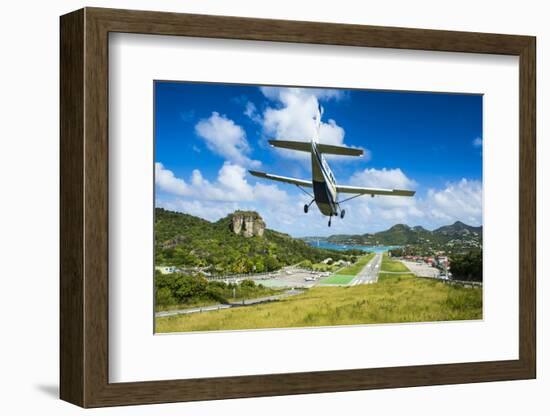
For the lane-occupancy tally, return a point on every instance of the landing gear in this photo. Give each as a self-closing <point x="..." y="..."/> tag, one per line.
<point x="329" y="220"/>
<point x="306" y="206"/>
<point x="342" y="213"/>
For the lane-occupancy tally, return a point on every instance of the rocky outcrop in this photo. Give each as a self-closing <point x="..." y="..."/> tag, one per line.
<point x="173" y="243"/>
<point x="247" y="224"/>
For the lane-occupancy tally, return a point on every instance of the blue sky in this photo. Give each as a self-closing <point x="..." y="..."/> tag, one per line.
<point x="208" y="135"/>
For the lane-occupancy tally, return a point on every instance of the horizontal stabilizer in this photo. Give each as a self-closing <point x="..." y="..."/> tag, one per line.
<point x="294" y="181"/>
<point x="287" y="144"/>
<point x="322" y="148"/>
<point x="373" y="191"/>
<point x="339" y="150"/>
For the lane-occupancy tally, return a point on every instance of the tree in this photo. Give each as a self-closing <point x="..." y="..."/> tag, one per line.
<point x="163" y="297"/>
<point x="467" y="266"/>
<point x="188" y="287"/>
<point x="306" y="264"/>
<point x="271" y="263"/>
<point x="259" y="264"/>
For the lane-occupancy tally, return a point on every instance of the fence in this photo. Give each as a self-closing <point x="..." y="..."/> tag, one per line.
<point x="463" y="283"/>
<point x="253" y="276"/>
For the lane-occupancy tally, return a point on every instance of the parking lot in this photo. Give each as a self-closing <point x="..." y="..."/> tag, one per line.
<point x="422" y="269"/>
<point x="289" y="278"/>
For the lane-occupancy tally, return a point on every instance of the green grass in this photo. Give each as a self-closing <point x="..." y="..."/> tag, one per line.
<point x="396" y="298"/>
<point x="389" y="265"/>
<point x="338" y="279"/>
<point x="394" y="277"/>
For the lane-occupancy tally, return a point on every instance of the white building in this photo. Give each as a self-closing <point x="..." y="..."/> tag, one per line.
<point x="166" y="269"/>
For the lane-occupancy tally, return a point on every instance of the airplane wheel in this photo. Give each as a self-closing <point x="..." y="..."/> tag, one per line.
<point x="329" y="220"/>
<point x="306" y="208"/>
<point x="342" y="213"/>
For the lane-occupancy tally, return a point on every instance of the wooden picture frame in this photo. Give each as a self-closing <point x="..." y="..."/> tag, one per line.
<point x="84" y="207"/>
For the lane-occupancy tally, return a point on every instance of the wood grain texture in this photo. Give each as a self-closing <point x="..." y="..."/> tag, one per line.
<point x="71" y="100"/>
<point x="527" y="208"/>
<point x="84" y="207"/>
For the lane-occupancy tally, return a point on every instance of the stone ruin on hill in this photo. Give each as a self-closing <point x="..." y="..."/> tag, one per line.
<point x="247" y="224"/>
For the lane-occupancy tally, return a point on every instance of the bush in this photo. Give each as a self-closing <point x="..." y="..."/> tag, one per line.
<point x="248" y="284"/>
<point x="188" y="287"/>
<point x="306" y="264"/>
<point x="179" y="289"/>
<point x="163" y="297"/>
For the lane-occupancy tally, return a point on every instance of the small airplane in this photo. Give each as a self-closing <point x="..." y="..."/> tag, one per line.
<point x="325" y="188"/>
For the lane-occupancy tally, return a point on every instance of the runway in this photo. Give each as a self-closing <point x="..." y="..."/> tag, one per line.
<point x="369" y="274"/>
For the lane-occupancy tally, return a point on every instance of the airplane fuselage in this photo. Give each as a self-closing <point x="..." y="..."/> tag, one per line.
<point x="324" y="184"/>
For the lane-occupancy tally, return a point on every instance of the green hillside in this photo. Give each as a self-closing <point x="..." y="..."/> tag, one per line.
<point x="458" y="234"/>
<point x="186" y="241"/>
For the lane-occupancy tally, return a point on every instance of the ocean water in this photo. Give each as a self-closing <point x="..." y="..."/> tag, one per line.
<point x="342" y="247"/>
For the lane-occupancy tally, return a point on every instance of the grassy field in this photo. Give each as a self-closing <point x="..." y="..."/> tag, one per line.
<point x="338" y="279"/>
<point x="396" y="298"/>
<point x="389" y="265"/>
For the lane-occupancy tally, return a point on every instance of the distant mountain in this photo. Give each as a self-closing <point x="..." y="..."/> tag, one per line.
<point x="237" y="243"/>
<point x="402" y="234"/>
<point x="458" y="229"/>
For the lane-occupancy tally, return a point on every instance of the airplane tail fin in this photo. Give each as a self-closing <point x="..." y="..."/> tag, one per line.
<point x="318" y="116"/>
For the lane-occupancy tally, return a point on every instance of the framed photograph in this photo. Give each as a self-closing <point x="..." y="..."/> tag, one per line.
<point x="256" y="207"/>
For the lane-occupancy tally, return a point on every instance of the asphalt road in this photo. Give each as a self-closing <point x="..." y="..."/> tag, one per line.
<point x="369" y="274"/>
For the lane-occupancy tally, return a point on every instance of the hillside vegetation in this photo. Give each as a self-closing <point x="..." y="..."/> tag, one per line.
<point x="186" y="241"/>
<point x="457" y="238"/>
<point x="180" y="291"/>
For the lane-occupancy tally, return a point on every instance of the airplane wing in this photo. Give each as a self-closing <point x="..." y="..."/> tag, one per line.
<point x="373" y="191"/>
<point x="294" y="181"/>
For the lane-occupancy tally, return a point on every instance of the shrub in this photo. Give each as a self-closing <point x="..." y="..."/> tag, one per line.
<point x="164" y="297"/>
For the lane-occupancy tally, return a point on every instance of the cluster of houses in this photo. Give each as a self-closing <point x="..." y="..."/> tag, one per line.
<point x="439" y="261"/>
<point x="174" y="269"/>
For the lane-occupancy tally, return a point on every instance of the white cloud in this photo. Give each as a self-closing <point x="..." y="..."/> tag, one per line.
<point x="270" y="193"/>
<point x="168" y="182"/>
<point x="231" y="185"/>
<point x="292" y="117"/>
<point x="283" y="211"/>
<point x="232" y="179"/>
<point x="383" y="178"/>
<point x="225" y="138"/>
<point x="323" y="94"/>
<point x="457" y="201"/>
<point x="461" y="200"/>
<point x="207" y="210"/>
<point x="294" y="120"/>
<point x="251" y="112"/>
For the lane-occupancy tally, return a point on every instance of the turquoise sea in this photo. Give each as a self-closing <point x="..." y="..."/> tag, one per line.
<point x="341" y="247"/>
